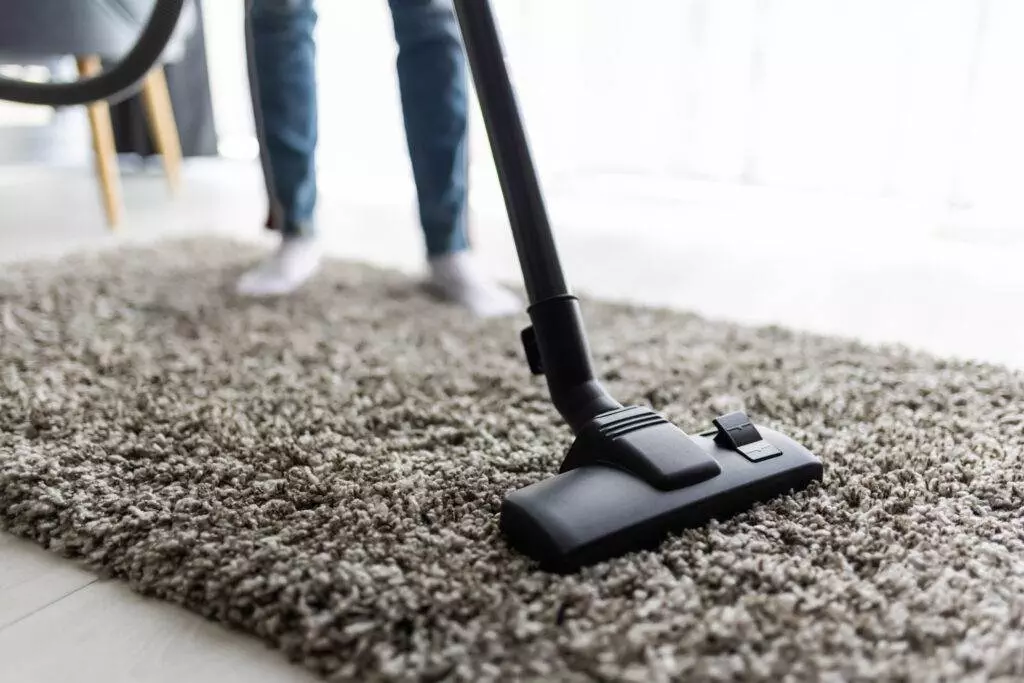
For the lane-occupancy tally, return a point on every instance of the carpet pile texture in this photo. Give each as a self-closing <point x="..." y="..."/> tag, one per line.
<point x="324" y="471"/>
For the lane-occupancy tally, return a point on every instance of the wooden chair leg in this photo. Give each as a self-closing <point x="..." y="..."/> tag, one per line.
<point x="160" y="115"/>
<point x="103" y="145"/>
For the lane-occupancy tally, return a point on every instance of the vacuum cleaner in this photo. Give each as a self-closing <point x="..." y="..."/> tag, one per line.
<point x="114" y="84"/>
<point x="630" y="477"/>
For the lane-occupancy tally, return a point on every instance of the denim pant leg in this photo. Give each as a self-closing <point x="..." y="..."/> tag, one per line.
<point x="432" y="78"/>
<point x="282" y="77"/>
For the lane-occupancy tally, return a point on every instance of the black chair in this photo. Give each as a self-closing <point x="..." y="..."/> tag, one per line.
<point x="94" y="31"/>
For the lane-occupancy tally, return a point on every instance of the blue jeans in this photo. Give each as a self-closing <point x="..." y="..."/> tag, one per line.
<point x="432" y="79"/>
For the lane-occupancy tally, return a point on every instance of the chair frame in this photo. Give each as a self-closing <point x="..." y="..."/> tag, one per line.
<point x="156" y="101"/>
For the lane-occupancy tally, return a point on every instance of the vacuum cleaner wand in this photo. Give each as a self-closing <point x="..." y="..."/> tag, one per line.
<point x="531" y="229"/>
<point x="556" y="344"/>
<point x="631" y="476"/>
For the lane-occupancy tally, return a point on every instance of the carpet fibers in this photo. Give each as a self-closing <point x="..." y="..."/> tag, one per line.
<point x="324" y="471"/>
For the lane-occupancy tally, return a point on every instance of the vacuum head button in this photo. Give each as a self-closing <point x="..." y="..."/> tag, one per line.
<point x="736" y="431"/>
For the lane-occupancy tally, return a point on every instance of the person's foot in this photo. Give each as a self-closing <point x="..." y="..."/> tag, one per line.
<point x="457" y="278"/>
<point x="284" y="271"/>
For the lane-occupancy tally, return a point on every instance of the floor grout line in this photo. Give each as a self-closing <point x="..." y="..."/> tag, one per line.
<point x="51" y="603"/>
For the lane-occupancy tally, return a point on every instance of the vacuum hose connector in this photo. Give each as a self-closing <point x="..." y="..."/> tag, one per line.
<point x="114" y="84"/>
<point x="556" y="346"/>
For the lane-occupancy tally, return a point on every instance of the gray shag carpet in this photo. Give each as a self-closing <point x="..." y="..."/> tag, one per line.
<point x="324" y="471"/>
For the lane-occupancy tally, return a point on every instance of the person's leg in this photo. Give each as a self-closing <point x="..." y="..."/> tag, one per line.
<point x="433" y="84"/>
<point x="433" y="87"/>
<point x="282" y="78"/>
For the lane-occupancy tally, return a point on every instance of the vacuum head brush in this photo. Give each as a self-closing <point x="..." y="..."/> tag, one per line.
<point x="632" y="477"/>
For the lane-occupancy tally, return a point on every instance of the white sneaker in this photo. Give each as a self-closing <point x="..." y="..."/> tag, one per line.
<point x="457" y="278"/>
<point x="284" y="271"/>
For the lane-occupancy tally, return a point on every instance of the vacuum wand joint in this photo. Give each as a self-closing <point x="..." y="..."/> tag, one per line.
<point x="556" y="346"/>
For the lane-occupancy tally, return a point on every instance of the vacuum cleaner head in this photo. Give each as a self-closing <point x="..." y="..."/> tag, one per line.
<point x="631" y="477"/>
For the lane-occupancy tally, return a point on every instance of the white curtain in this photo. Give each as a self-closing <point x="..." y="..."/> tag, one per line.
<point x="920" y="100"/>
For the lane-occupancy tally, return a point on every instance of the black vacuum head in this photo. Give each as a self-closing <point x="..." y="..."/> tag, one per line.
<point x="631" y="477"/>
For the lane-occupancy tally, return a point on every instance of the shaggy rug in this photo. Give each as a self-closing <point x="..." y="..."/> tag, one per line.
<point x="324" y="471"/>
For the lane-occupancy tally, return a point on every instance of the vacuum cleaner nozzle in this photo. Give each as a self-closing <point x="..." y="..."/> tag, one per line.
<point x="631" y="477"/>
